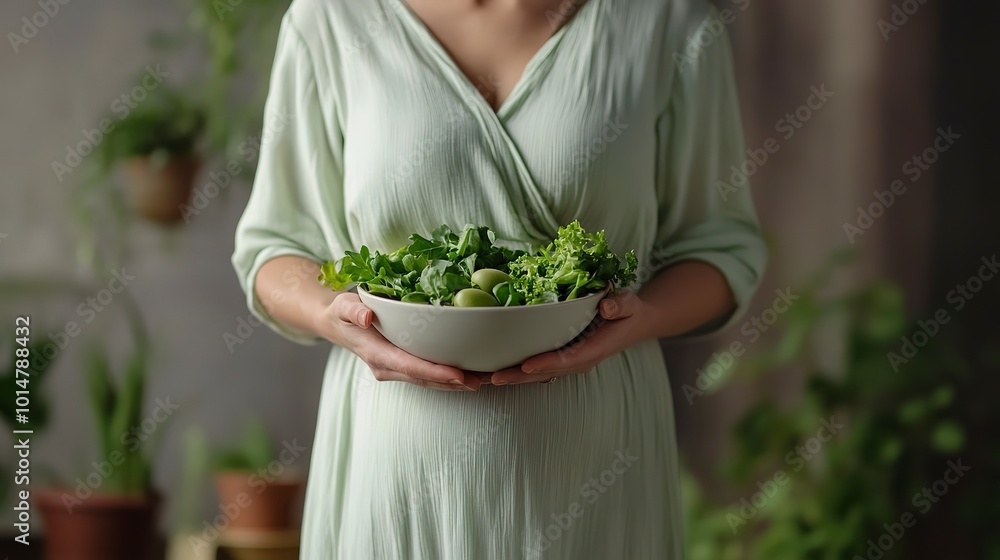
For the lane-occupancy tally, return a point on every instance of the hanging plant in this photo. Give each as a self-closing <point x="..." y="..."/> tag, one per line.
<point x="157" y="143"/>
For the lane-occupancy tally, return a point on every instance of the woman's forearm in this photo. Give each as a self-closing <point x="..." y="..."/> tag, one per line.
<point x="288" y="289"/>
<point x="683" y="297"/>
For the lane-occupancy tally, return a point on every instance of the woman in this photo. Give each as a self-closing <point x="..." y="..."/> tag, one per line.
<point x="386" y="118"/>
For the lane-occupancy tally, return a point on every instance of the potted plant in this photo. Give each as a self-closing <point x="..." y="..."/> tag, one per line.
<point x="812" y="494"/>
<point x="156" y="141"/>
<point x="245" y="475"/>
<point x="260" y="498"/>
<point x="187" y="540"/>
<point x="111" y="514"/>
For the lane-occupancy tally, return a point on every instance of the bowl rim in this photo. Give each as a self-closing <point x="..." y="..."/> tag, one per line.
<point x="493" y="309"/>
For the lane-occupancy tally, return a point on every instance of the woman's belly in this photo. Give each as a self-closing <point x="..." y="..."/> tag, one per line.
<point x="510" y="456"/>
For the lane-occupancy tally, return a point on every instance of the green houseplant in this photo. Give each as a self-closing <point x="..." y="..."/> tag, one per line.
<point x="157" y="144"/>
<point x="259" y="499"/>
<point x="858" y="493"/>
<point x="239" y="37"/>
<point x="43" y="352"/>
<point x="111" y="512"/>
<point x="248" y="473"/>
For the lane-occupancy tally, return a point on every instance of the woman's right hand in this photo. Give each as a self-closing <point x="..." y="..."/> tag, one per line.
<point x="347" y="322"/>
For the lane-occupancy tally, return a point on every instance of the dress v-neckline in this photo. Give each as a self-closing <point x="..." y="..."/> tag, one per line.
<point x="528" y="75"/>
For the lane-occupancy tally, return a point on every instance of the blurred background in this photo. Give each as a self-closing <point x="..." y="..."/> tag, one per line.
<point x="850" y="416"/>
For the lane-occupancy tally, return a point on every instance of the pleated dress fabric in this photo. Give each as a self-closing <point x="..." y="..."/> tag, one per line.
<point x="626" y="119"/>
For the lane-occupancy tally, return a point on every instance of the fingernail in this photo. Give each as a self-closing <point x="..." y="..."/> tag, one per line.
<point x="455" y="381"/>
<point x="499" y="382"/>
<point x="609" y="307"/>
<point x="529" y="370"/>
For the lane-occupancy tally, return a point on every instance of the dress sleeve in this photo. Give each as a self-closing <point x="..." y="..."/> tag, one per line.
<point x="701" y="215"/>
<point x="296" y="204"/>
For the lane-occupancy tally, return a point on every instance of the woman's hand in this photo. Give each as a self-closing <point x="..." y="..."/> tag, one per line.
<point x="621" y="323"/>
<point x="347" y="322"/>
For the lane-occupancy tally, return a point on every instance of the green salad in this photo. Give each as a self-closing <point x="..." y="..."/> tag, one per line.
<point x="468" y="270"/>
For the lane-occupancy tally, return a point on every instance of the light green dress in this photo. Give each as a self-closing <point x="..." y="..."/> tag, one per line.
<point x="626" y="119"/>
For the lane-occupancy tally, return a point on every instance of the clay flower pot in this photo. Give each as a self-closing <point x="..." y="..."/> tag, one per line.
<point x="258" y="505"/>
<point x="159" y="193"/>
<point x="102" y="527"/>
<point x="257" y="545"/>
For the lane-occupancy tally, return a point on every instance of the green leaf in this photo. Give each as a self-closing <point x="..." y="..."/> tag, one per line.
<point x="913" y="411"/>
<point x="421" y="246"/>
<point x="575" y="264"/>
<point x="102" y="396"/>
<point x="891" y="448"/>
<point x="252" y="452"/>
<point x="942" y="397"/>
<point x="948" y="437"/>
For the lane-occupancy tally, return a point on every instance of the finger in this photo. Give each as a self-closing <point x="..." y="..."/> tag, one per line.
<point x="389" y="375"/>
<point x="483" y="377"/>
<point x="398" y="360"/>
<point x="576" y="357"/>
<point x="506" y="376"/>
<point x="619" y="306"/>
<point x="514" y="376"/>
<point x="351" y="310"/>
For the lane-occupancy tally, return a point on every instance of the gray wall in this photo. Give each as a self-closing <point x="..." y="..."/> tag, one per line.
<point x="62" y="81"/>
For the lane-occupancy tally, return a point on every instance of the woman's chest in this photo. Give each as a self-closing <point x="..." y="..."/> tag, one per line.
<point x="578" y="139"/>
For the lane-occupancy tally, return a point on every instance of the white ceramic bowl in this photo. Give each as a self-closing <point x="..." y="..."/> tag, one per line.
<point x="482" y="339"/>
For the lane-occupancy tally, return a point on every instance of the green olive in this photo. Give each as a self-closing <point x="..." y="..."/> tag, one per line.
<point x="474" y="297"/>
<point x="488" y="278"/>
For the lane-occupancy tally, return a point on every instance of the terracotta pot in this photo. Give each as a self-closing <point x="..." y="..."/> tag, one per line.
<point x="159" y="193"/>
<point x="257" y="545"/>
<point x="251" y="503"/>
<point x="101" y="527"/>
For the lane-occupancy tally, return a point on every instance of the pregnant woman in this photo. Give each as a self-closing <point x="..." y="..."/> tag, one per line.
<point x="388" y="117"/>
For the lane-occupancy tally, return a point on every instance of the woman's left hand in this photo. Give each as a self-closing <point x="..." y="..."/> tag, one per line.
<point x="618" y="326"/>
